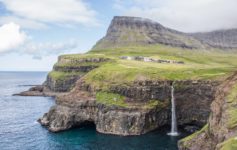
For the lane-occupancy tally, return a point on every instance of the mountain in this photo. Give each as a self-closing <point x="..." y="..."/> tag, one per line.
<point x="129" y="31"/>
<point x="226" y="39"/>
<point x="125" y="31"/>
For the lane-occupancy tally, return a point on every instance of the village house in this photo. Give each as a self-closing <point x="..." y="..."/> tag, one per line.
<point x="148" y="59"/>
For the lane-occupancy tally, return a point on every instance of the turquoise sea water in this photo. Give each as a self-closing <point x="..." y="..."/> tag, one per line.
<point x="19" y="129"/>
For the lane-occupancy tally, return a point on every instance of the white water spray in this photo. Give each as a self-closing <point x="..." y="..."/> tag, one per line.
<point x="174" y="130"/>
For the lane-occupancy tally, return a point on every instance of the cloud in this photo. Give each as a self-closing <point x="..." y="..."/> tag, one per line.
<point x="11" y="37"/>
<point x="38" y="50"/>
<point x="184" y="15"/>
<point x="24" y="23"/>
<point x="37" y="57"/>
<point x="14" y="40"/>
<point x="42" y="12"/>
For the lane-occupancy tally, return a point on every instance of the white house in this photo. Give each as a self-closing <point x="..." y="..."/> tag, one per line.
<point x="147" y="59"/>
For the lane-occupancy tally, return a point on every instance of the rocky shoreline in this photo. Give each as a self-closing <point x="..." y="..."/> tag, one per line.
<point x="40" y="90"/>
<point x="108" y="120"/>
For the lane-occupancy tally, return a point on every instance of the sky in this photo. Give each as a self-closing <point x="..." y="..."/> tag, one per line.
<point x="33" y="33"/>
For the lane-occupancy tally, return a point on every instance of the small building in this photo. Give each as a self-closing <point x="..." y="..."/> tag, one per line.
<point x="126" y="57"/>
<point x="147" y="59"/>
<point x="140" y="58"/>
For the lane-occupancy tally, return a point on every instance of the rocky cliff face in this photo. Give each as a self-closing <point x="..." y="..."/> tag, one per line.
<point x="109" y="120"/>
<point x="193" y="98"/>
<point x="147" y="107"/>
<point x="79" y="107"/>
<point x="220" y="132"/>
<point x="61" y="85"/>
<point x="130" y="31"/>
<point x="222" y="39"/>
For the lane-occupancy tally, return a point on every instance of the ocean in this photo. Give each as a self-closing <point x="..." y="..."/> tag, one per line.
<point x="19" y="129"/>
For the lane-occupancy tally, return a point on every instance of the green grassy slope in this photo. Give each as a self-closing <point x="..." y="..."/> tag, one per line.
<point x="198" y="64"/>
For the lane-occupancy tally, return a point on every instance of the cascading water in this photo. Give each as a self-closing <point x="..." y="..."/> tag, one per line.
<point x="174" y="131"/>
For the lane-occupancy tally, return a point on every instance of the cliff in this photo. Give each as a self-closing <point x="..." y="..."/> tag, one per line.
<point x="80" y="107"/>
<point x="69" y="69"/>
<point x="136" y="110"/>
<point x="220" y="131"/>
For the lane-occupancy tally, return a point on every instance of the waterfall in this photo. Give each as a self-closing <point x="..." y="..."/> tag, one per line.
<point x="174" y="131"/>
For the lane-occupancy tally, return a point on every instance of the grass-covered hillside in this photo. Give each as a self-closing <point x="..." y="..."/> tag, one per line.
<point x="198" y="64"/>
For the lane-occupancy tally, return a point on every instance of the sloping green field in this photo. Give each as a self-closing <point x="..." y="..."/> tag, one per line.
<point x="210" y="64"/>
<point x="198" y="65"/>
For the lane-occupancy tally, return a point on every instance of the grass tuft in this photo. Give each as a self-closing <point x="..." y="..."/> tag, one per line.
<point x="56" y="75"/>
<point x="110" y="99"/>
<point x="185" y="141"/>
<point x="230" y="144"/>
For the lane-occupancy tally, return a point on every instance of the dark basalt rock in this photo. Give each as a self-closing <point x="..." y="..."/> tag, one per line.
<point x="39" y="90"/>
<point x="108" y="119"/>
<point x="191" y="128"/>
<point x="62" y="85"/>
<point x="74" y="68"/>
<point x="63" y="60"/>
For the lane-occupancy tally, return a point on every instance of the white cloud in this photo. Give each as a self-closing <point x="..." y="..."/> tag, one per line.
<point x="14" y="40"/>
<point x="184" y="15"/>
<point x="38" y="50"/>
<point x="24" y="23"/>
<point x="51" y="11"/>
<point x="11" y="37"/>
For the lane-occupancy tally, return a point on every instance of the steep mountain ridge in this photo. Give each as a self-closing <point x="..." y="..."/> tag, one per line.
<point x="226" y="39"/>
<point x="129" y="31"/>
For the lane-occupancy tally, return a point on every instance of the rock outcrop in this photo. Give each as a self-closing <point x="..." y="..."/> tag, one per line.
<point x="139" y="115"/>
<point x="220" y="131"/>
<point x="61" y="85"/>
<point x="68" y="70"/>
<point x="40" y="90"/>
<point x="65" y="73"/>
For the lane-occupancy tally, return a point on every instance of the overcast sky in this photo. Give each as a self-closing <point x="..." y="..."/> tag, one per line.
<point x="34" y="32"/>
